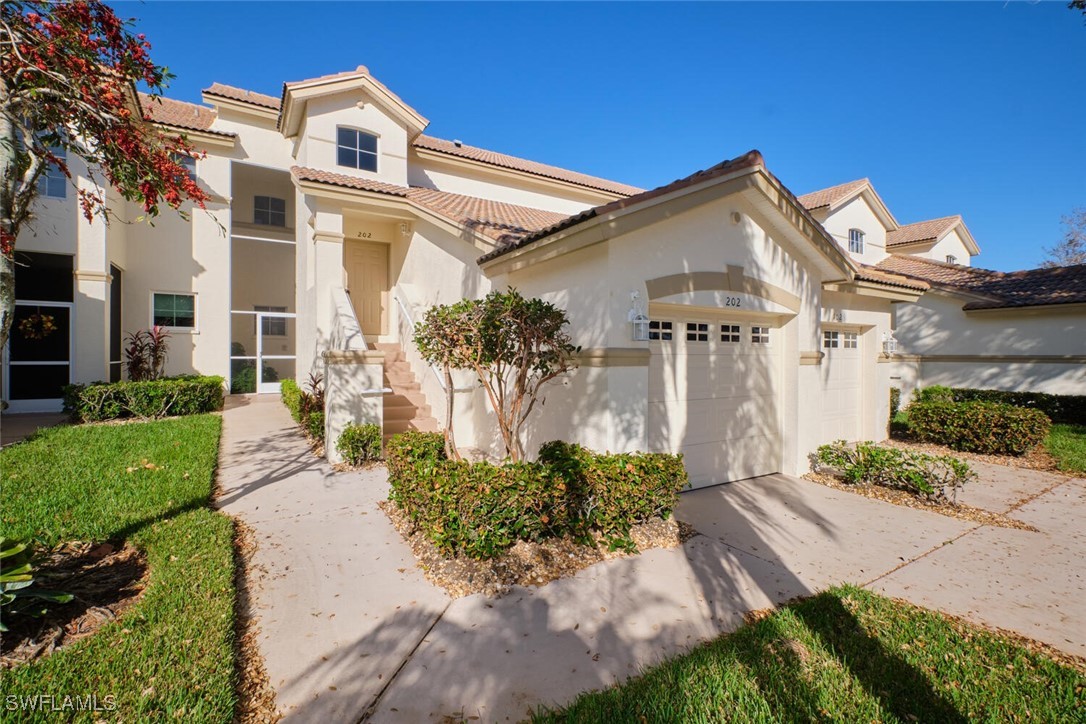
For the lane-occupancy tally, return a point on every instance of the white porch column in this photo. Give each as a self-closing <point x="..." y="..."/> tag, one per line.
<point x="320" y="268"/>
<point x="90" y="318"/>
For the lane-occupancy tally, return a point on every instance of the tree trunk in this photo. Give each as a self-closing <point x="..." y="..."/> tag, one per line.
<point x="8" y="225"/>
<point x="450" y="439"/>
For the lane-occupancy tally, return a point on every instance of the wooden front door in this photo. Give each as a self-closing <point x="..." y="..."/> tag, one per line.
<point x="367" y="282"/>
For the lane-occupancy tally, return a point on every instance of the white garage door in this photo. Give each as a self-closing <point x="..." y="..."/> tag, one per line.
<point x="842" y="385"/>
<point x="713" y="396"/>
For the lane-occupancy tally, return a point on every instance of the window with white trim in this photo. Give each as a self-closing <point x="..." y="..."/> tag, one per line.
<point x="951" y="259"/>
<point x="177" y="311"/>
<point x="729" y="333"/>
<point x="850" y="340"/>
<point x="356" y="149"/>
<point x="272" y="326"/>
<point x="759" y="335"/>
<point x="269" y="211"/>
<point x="697" y="332"/>
<point x="52" y="183"/>
<point x="856" y="241"/>
<point x="831" y="339"/>
<point x="661" y="330"/>
<point x="188" y="163"/>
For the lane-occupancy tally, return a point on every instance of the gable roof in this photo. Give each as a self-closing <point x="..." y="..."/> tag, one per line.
<point x="833" y="195"/>
<point x="502" y="160"/>
<point x="931" y="231"/>
<point x="242" y="96"/>
<point x="868" y="273"/>
<point x="179" y="114"/>
<point x="1028" y="288"/>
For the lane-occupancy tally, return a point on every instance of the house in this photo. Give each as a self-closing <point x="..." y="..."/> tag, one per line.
<point x="335" y="222"/>
<point x="1023" y="330"/>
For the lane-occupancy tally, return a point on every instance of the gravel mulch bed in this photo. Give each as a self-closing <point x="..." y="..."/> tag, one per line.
<point x="908" y="500"/>
<point x="1036" y="459"/>
<point x="525" y="564"/>
<point x="256" y="698"/>
<point x="104" y="578"/>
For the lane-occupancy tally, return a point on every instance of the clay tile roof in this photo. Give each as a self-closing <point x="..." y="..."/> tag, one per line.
<point x="331" y="76"/>
<point x="868" y="273"/>
<point x="830" y="196"/>
<point x="303" y="173"/>
<point x="1029" y="288"/>
<point x="747" y="160"/>
<point x="242" y="95"/>
<point x="502" y="160"/>
<point x="921" y="231"/>
<point x="178" y="114"/>
<point x="505" y="223"/>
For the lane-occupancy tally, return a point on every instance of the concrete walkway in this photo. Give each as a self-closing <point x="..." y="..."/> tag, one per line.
<point x="17" y="426"/>
<point x="351" y="630"/>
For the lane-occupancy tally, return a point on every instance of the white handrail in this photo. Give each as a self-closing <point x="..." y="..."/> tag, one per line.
<point x="411" y="321"/>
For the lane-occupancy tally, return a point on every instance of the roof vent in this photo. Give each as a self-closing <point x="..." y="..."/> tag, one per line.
<point x="458" y="143"/>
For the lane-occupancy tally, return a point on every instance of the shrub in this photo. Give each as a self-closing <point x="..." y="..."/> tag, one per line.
<point x="166" y="397"/>
<point x="895" y="401"/>
<point x="1070" y="409"/>
<point x="244" y="377"/>
<point x="291" y="395"/>
<point x="18" y="594"/>
<point x="360" y="443"/>
<point x="981" y="427"/>
<point x="314" y="425"/>
<point x="306" y="408"/>
<point x="145" y="353"/>
<point x="481" y="509"/>
<point x="927" y="476"/>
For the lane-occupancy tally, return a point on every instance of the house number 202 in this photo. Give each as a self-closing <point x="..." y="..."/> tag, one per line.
<point x="365" y="235"/>
<point x="731" y="301"/>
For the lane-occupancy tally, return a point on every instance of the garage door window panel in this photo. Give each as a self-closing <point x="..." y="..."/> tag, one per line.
<point x="759" y="335"/>
<point x="730" y="334"/>
<point x="661" y="330"/>
<point x="697" y="332"/>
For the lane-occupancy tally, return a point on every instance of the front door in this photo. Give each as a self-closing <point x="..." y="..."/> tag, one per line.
<point x="367" y="283"/>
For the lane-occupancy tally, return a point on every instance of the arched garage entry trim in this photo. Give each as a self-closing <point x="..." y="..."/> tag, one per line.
<point x="732" y="280"/>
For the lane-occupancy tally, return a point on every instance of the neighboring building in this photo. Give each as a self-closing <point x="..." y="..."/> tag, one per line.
<point x="1022" y="330"/>
<point x="335" y="223"/>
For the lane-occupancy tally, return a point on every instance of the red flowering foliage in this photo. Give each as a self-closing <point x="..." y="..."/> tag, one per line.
<point x="68" y="75"/>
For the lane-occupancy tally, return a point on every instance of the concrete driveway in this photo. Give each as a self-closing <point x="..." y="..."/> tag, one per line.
<point x="350" y="629"/>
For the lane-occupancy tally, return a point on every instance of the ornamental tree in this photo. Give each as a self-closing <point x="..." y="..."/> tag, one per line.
<point x="512" y="344"/>
<point x="68" y="76"/>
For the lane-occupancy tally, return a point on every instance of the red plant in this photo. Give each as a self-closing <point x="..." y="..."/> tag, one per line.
<point x="146" y="353"/>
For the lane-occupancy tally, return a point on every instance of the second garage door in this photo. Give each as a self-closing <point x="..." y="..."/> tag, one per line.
<point x="714" y="396"/>
<point x="842" y="387"/>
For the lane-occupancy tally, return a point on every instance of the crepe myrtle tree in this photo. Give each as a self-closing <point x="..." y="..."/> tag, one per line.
<point x="512" y="344"/>
<point x="68" y="75"/>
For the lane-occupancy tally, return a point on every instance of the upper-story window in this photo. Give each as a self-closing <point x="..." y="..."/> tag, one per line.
<point x="356" y="149"/>
<point x="188" y="163"/>
<point x="53" y="183"/>
<point x="856" y="241"/>
<point x="951" y="259"/>
<point x="269" y="211"/>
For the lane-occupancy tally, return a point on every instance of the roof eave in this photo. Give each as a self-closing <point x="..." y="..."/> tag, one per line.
<point x="297" y="95"/>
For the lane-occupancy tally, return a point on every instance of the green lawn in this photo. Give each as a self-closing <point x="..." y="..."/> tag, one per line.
<point x="1068" y="444"/>
<point x="172" y="654"/>
<point x="845" y="655"/>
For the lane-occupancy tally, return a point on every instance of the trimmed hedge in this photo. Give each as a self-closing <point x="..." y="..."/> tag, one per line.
<point x="1070" y="409"/>
<point x="165" y="397"/>
<point x="923" y="475"/>
<point x="981" y="427"/>
<point x="291" y="395"/>
<point x="480" y="509"/>
<point x="360" y="443"/>
<point x="298" y="402"/>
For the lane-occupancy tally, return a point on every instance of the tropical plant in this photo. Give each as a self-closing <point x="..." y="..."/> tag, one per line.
<point x="927" y="476"/>
<point x="18" y="594"/>
<point x="145" y="353"/>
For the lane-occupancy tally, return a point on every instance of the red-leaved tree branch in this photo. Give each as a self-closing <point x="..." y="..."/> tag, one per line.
<point x="68" y="78"/>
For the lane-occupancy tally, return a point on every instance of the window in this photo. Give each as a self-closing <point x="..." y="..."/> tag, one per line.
<point x="729" y="333"/>
<point x="759" y="335"/>
<point x="660" y="331"/>
<point x="188" y="162"/>
<point x="272" y="326"/>
<point x="697" y="332"/>
<point x="831" y="340"/>
<point x="951" y="259"/>
<point x="851" y="340"/>
<point x="173" y="310"/>
<point x="856" y="241"/>
<point x="53" y="183"/>
<point x="356" y="149"/>
<point x="269" y="211"/>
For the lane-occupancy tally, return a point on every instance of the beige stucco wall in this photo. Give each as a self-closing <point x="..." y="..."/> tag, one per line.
<point x="951" y="244"/>
<point x="857" y="214"/>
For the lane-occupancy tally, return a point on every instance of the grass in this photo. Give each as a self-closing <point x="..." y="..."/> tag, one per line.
<point x="1067" y="443"/>
<point x="845" y="655"/>
<point x="172" y="654"/>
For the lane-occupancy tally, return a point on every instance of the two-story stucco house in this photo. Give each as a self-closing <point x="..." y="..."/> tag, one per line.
<point x="1023" y="330"/>
<point x="335" y="222"/>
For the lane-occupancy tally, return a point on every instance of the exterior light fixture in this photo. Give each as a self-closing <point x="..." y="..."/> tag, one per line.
<point x="639" y="323"/>
<point x="889" y="344"/>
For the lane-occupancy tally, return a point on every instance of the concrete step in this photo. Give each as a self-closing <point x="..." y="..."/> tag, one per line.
<point x="404" y="397"/>
<point x="406" y="412"/>
<point x="424" y="424"/>
<point x="401" y="386"/>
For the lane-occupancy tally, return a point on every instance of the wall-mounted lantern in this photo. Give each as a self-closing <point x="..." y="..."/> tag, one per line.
<point x="639" y="323"/>
<point x="889" y="344"/>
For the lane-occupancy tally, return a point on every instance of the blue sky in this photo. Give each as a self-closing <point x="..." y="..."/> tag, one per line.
<point x="973" y="108"/>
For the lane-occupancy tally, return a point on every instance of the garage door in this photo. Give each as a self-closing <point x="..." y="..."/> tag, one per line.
<point x="842" y="385"/>
<point x="713" y="396"/>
